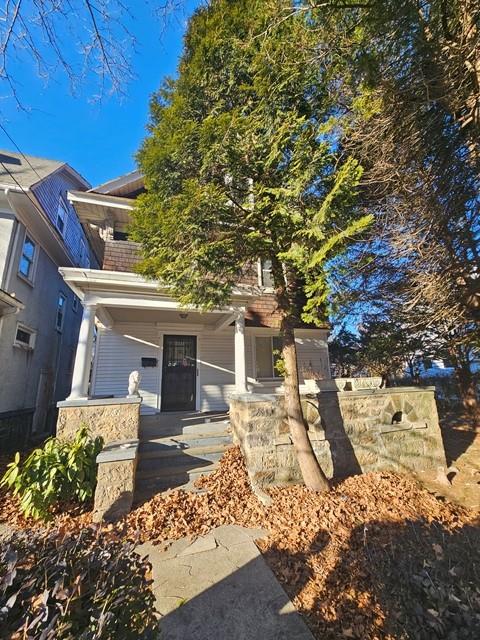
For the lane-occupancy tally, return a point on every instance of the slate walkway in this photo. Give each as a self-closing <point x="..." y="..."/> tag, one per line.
<point x="220" y="587"/>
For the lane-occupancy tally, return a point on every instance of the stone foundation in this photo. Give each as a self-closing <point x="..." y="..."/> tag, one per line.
<point x="115" y="481"/>
<point x="351" y="432"/>
<point x="114" y="419"/>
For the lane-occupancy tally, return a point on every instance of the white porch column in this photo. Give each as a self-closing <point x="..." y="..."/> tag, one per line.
<point x="83" y="357"/>
<point x="240" y="364"/>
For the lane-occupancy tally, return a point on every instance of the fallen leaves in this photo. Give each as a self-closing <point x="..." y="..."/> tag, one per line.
<point x="372" y="558"/>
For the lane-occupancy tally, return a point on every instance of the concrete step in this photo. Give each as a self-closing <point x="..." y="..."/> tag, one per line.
<point x="148" y="485"/>
<point x="208" y="428"/>
<point x="178" y="460"/>
<point x="161" y="451"/>
<point x="187" y="441"/>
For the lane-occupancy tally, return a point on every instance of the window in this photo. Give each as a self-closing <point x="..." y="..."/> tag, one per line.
<point x="61" y="216"/>
<point x="265" y="269"/>
<point x="60" y="317"/>
<point x="27" y="258"/>
<point x="24" y="337"/>
<point x="82" y="251"/>
<point x="267" y="354"/>
<point x="75" y="302"/>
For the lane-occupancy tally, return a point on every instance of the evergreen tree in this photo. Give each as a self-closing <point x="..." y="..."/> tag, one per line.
<point x="242" y="162"/>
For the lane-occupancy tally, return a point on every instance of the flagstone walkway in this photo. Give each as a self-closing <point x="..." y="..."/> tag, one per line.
<point x="219" y="587"/>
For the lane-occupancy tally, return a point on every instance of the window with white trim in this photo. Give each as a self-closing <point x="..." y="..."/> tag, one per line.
<point x="268" y="351"/>
<point x="62" y="214"/>
<point x="61" y="309"/>
<point x="24" y="337"/>
<point x="266" y="277"/>
<point x="27" y="259"/>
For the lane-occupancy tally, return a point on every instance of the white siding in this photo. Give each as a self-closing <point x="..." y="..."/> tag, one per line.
<point x="118" y="353"/>
<point x="217" y="370"/>
<point x="312" y="354"/>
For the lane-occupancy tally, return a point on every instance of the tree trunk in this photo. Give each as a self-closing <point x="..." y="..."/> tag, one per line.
<point x="467" y="388"/>
<point x="312" y="473"/>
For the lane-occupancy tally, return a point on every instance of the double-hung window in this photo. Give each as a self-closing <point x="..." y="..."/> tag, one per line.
<point x="61" y="309"/>
<point x="265" y="273"/>
<point x="267" y="353"/>
<point x="27" y="259"/>
<point x="61" y="216"/>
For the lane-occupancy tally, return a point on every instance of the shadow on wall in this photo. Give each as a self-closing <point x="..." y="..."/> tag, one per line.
<point x="344" y="459"/>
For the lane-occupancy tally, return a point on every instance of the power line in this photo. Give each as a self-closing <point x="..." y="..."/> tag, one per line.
<point x="19" y="151"/>
<point x="22" y="188"/>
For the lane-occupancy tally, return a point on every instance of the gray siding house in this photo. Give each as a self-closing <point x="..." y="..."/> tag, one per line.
<point x="39" y="315"/>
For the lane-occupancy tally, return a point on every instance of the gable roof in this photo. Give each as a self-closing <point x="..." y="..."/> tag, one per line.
<point x="17" y="169"/>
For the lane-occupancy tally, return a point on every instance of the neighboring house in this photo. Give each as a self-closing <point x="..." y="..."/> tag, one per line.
<point x="188" y="360"/>
<point x="39" y="315"/>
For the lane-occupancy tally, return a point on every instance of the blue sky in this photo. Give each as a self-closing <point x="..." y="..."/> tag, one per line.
<point x="99" y="139"/>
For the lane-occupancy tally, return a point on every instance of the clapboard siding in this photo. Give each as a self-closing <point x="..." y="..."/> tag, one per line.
<point x="312" y="355"/>
<point x="48" y="192"/>
<point x="217" y="370"/>
<point x="118" y="353"/>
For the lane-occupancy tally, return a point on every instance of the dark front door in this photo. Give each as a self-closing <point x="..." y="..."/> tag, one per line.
<point x="179" y="373"/>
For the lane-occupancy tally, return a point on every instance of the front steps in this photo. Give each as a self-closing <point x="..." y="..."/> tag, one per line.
<point x="174" y="455"/>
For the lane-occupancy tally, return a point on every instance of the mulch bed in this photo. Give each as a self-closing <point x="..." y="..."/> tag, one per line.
<point x="376" y="557"/>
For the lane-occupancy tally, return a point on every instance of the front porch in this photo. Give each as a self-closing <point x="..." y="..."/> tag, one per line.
<point x="187" y="359"/>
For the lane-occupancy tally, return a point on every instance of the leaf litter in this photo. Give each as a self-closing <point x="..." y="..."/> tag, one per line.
<point x="377" y="557"/>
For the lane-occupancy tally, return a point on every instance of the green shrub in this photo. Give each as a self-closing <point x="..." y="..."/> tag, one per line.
<point x="85" y="587"/>
<point x="60" y="471"/>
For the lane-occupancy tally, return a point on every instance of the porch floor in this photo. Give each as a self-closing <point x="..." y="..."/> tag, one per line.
<point x="176" y="448"/>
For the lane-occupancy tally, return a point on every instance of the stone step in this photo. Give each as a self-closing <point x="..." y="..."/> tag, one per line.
<point x="162" y="451"/>
<point x="148" y="432"/>
<point x="206" y="427"/>
<point x="148" y="485"/>
<point x="187" y="441"/>
<point x="175" y="459"/>
<point x="185" y="465"/>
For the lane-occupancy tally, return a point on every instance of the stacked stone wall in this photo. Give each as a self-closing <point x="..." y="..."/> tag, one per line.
<point x="351" y="432"/>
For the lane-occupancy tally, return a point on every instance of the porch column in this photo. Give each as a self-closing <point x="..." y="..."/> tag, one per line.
<point x="240" y="365"/>
<point x="83" y="357"/>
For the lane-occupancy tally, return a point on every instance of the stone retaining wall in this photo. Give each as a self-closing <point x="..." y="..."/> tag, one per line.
<point x="115" y="419"/>
<point x="351" y="432"/>
<point x="115" y="481"/>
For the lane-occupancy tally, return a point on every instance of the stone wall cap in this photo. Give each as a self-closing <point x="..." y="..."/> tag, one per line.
<point x="255" y="397"/>
<point x="118" y="451"/>
<point x="371" y="392"/>
<point x="97" y="402"/>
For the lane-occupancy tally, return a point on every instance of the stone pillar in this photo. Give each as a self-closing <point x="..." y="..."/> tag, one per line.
<point x="240" y="363"/>
<point x="83" y="357"/>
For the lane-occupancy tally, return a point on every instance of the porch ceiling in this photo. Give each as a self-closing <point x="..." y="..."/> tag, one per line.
<point x="98" y="207"/>
<point x="153" y="316"/>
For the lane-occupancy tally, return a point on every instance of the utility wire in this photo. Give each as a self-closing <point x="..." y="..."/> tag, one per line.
<point x="20" y="152"/>
<point x="24" y="191"/>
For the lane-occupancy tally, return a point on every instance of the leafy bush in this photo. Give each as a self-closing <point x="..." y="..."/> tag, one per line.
<point x="61" y="471"/>
<point x="74" y="588"/>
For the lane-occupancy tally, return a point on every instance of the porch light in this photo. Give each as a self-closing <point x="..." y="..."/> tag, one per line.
<point x="183" y="316"/>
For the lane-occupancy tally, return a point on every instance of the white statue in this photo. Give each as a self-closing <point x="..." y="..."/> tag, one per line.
<point x="133" y="383"/>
